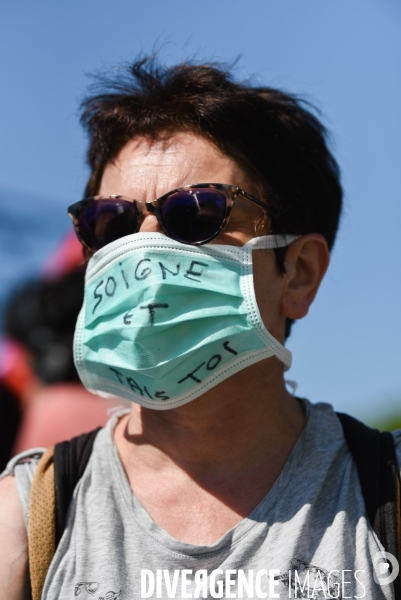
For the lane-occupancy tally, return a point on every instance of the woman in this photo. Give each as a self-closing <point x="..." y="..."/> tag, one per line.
<point x="218" y="481"/>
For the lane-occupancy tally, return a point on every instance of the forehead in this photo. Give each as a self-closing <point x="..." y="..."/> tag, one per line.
<point x="146" y="169"/>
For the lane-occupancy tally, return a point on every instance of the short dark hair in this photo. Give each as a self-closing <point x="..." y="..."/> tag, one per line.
<point x="273" y="136"/>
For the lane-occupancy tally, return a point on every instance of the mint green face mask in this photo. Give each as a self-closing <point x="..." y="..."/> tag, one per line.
<point x="163" y="322"/>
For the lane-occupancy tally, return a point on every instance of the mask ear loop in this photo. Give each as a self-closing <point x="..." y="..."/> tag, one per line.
<point x="269" y="242"/>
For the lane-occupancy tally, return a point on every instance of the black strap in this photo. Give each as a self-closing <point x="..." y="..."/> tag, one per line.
<point x="364" y="444"/>
<point x="70" y="460"/>
<point x="379" y="476"/>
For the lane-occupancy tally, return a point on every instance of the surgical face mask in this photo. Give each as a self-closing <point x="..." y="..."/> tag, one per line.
<point x="164" y="322"/>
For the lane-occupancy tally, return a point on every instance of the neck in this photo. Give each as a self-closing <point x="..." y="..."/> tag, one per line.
<point x="237" y="425"/>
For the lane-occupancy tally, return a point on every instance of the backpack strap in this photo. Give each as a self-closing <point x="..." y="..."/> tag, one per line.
<point x="379" y="476"/>
<point x="41" y="523"/>
<point x="70" y="460"/>
<point x="56" y="476"/>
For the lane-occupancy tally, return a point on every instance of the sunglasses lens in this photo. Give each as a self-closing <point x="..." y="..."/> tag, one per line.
<point x="193" y="216"/>
<point x="103" y="221"/>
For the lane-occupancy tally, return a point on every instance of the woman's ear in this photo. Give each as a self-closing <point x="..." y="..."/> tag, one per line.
<point x="306" y="262"/>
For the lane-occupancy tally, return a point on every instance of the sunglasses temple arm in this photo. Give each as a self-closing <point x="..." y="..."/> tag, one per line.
<point x="253" y="199"/>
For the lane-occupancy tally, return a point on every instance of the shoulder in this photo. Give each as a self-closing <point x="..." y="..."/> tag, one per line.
<point x="10" y="507"/>
<point x="13" y="535"/>
<point x="22" y="468"/>
<point x="27" y="461"/>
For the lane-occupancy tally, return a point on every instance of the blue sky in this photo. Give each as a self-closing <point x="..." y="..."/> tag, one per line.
<point x="343" y="56"/>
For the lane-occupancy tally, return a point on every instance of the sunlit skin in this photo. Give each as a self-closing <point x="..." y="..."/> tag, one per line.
<point x="201" y="468"/>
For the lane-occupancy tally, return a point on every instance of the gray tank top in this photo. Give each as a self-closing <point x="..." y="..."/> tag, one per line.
<point x="309" y="536"/>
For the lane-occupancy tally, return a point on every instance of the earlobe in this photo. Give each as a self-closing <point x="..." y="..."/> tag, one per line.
<point x="306" y="263"/>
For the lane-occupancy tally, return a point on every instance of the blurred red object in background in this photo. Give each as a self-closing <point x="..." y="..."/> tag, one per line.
<point x="59" y="412"/>
<point x="36" y="359"/>
<point x="15" y="370"/>
<point x="67" y="256"/>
